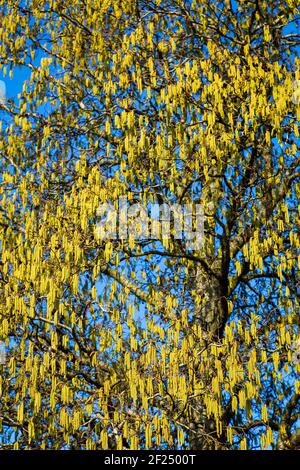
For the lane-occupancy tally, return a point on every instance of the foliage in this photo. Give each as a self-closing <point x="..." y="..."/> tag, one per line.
<point x="145" y="344"/>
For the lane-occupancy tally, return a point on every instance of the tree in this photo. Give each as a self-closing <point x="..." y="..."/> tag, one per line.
<point x="127" y="343"/>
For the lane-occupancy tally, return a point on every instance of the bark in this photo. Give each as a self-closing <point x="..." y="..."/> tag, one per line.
<point x="211" y="315"/>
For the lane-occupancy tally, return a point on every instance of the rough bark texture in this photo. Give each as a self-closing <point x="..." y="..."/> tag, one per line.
<point x="211" y="315"/>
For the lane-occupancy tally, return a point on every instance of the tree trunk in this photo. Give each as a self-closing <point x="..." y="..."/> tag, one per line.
<point x="211" y="315"/>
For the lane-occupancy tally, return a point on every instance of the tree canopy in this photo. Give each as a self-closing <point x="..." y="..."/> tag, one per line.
<point x="146" y="344"/>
